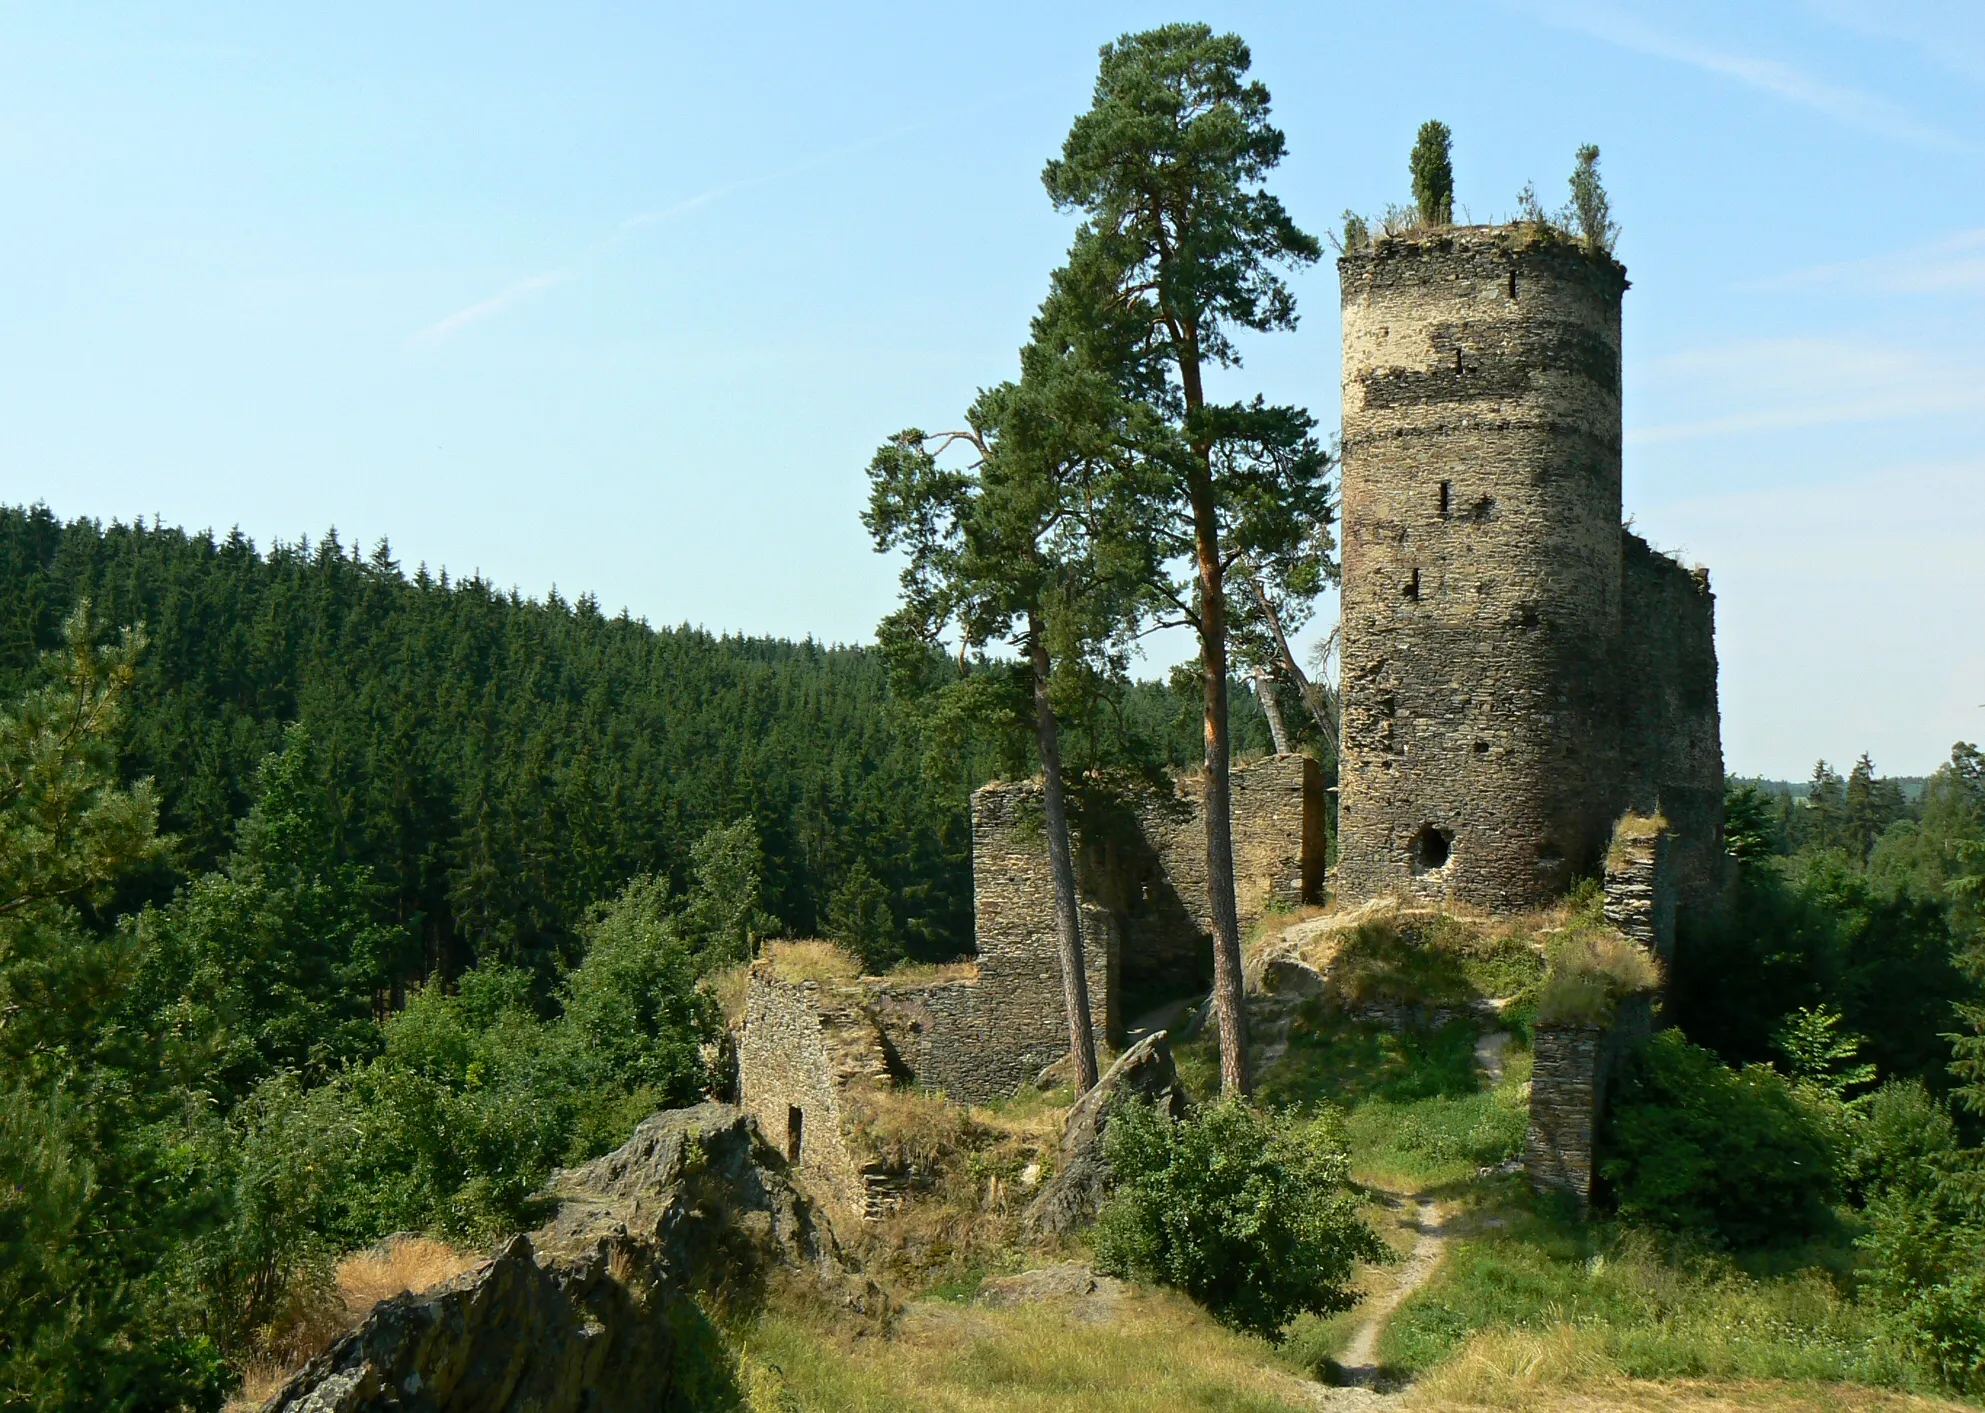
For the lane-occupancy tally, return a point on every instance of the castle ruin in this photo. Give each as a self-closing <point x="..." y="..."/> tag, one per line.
<point x="1528" y="697"/>
<point x="1519" y="670"/>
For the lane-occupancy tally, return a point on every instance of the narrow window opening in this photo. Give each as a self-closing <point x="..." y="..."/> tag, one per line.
<point x="1447" y="498"/>
<point x="795" y="1131"/>
<point x="1512" y="284"/>
<point x="1413" y="587"/>
<point x="1457" y="360"/>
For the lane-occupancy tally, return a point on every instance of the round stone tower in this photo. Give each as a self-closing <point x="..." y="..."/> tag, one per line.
<point x="1482" y="565"/>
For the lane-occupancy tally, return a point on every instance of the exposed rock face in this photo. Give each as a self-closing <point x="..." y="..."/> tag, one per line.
<point x="591" y="1312"/>
<point x="1082" y="1178"/>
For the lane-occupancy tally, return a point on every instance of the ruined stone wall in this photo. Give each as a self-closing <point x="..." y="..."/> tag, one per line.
<point x="1639" y="886"/>
<point x="1571" y="1068"/>
<point x="1482" y="566"/>
<point x="1672" y="745"/>
<point x="1019" y="995"/>
<point x="804" y="1045"/>
<point x="1142" y="869"/>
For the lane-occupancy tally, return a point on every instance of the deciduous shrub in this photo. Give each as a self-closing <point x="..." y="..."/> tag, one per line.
<point x="1692" y="1143"/>
<point x="1245" y="1211"/>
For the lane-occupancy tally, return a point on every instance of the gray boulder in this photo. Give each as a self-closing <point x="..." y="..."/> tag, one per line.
<point x="1082" y="1179"/>
<point x="592" y="1311"/>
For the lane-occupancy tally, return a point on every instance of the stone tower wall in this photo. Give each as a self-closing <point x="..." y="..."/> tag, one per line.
<point x="1482" y="566"/>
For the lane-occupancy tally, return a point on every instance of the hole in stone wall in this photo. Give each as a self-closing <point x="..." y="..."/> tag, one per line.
<point x="1432" y="848"/>
<point x="1481" y="748"/>
<point x="1484" y="509"/>
<point x="1528" y="617"/>
<point x="795" y="1131"/>
<point x="1457" y="360"/>
<point x="1512" y="284"/>
<point x="1413" y="587"/>
<point x="1447" y="498"/>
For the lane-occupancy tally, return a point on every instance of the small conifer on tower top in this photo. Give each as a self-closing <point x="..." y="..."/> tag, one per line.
<point x="1433" y="174"/>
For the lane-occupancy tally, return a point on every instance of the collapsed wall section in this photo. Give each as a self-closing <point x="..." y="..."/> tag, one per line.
<point x="1671" y="731"/>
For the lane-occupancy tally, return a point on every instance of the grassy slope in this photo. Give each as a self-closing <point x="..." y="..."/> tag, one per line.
<point x="1528" y="1309"/>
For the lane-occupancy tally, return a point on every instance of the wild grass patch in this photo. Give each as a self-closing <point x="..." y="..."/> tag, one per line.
<point x="1155" y="1350"/>
<point x="1637" y="1305"/>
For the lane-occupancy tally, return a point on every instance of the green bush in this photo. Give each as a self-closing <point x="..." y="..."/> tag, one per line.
<point x="1245" y="1211"/>
<point x="1694" y="1145"/>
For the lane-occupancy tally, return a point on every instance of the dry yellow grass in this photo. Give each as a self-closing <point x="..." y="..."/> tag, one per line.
<point x="361" y="1281"/>
<point x="810" y="959"/>
<point x="396" y="1265"/>
<point x="914" y="972"/>
<point x="729" y="987"/>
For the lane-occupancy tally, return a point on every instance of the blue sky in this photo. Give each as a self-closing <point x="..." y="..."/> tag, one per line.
<point x="620" y="298"/>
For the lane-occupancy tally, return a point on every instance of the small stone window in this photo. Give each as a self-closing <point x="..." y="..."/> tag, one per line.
<point x="795" y="1131"/>
<point x="1484" y="510"/>
<point x="1447" y="499"/>
<point x="1481" y="748"/>
<point x="1512" y="284"/>
<point x="1457" y="358"/>
<point x="1433" y="849"/>
<point x="1413" y="587"/>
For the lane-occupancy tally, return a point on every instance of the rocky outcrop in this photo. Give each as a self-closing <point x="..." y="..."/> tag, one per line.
<point x="592" y="1311"/>
<point x="1082" y="1179"/>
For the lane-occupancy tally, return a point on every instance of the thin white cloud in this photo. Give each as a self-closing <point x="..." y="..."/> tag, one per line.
<point x="1852" y="106"/>
<point x="1952" y="264"/>
<point x="445" y="328"/>
<point x="1765" y="385"/>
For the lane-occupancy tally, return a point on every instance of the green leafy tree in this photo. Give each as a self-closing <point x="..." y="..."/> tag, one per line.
<point x="723" y="916"/>
<point x="1247" y="1212"/>
<point x="1180" y="248"/>
<point x="1694" y="1145"/>
<point x="1819" y="1052"/>
<point x="1432" y="165"/>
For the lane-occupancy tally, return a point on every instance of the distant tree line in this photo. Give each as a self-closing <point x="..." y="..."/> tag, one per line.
<point x="498" y="764"/>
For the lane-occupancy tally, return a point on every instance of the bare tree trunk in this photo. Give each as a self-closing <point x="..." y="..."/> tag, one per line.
<point x="1228" y="1002"/>
<point x="1271" y="707"/>
<point x="1061" y="864"/>
<point x="1311" y="694"/>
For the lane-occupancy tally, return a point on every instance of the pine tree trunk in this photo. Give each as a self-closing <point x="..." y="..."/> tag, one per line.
<point x="1061" y="864"/>
<point x="1228" y="1002"/>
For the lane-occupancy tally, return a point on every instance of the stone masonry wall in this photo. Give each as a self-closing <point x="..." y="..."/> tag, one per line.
<point x="1482" y="566"/>
<point x="1672" y="757"/>
<point x="1019" y="994"/>
<point x="1142" y="869"/>
<point x="804" y="1045"/>
<point x="1571" y="1067"/>
<point x="1640" y="886"/>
